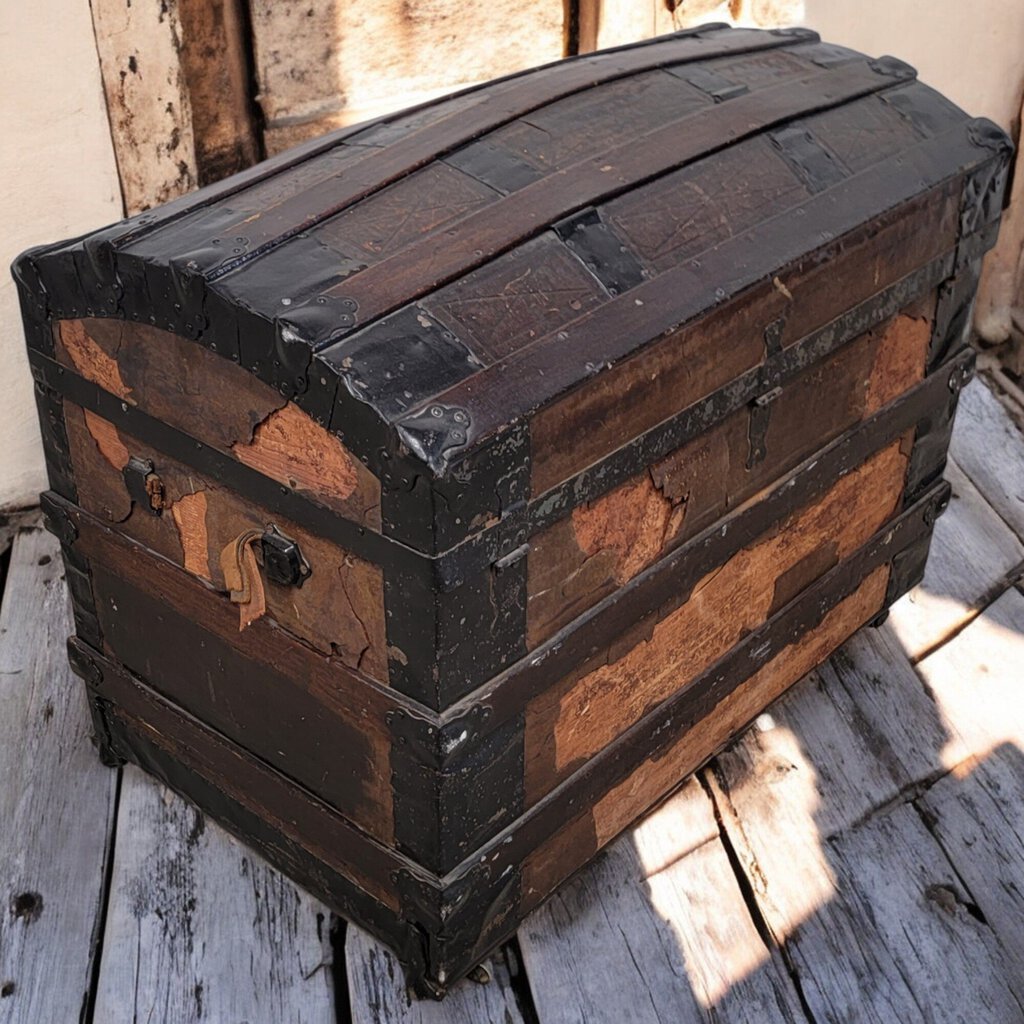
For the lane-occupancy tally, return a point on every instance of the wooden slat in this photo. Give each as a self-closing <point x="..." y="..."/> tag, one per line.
<point x="862" y="724"/>
<point x="378" y="994"/>
<point x="976" y="680"/>
<point x="200" y="928"/>
<point x="989" y="448"/>
<point x="436" y="131"/>
<point x="979" y="824"/>
<point x="971" y="551"/>
<point x="56" y="800"/>
<point x="657" y="930"/>
<point x="147" y="96"/>
<point x="844" y="871"/>
<point x="484" y="234"/>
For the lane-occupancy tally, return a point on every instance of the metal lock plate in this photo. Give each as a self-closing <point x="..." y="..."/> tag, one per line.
<point x="144" y="486"/>
<point x="283" y="561"/>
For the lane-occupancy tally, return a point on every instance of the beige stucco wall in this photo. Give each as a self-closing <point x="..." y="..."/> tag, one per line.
<point x="59" y="178"/>
<point x="973" y="52"/>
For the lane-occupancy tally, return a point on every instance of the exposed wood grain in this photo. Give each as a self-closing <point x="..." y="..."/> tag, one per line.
<point x="972" y="550"/>
<point x="200" y="928"/>
<point x="656" y="930"/>
<point x="56" y="800"/>
<point x="585" y="716"/>
<point x="107" y="439"/>
<point x="290" y="447"/>
<point x="989" y="448"/>
<point x="900" y="361"/>
<point x="615" y="810"/>
<point x="83" y="353"/>
<point x="189" y="513"/>
<point x="378" y="994"/>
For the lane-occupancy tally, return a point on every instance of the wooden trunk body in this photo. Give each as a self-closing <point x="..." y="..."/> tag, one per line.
<point x="569" y="421"/>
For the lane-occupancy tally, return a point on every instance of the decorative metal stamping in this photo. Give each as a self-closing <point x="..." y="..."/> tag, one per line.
<point x="435" y="432"/>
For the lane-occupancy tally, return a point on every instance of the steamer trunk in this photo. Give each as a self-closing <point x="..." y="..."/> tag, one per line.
<point x="436" y="496"/>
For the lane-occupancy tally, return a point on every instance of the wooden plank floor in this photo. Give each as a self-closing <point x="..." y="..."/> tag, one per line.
<point x="857" y="855"/>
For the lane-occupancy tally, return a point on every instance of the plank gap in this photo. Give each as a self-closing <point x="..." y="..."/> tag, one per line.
<point x="89" y="1000"/>
<point x="1008" y="581"/>
<point x="970" y="904"/>
<point x="339" y="975"/>
<point x="519" y="982"/>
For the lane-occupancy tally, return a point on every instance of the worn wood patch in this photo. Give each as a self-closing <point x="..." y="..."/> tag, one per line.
<point x="577" y="842"/>
<point x="56" y="800"/>
<point x="200" y="928"/>
<point x="611" y="813"/>
<point x="339" y="608"/>
<point x="218" y="402"/>
<point x="576" y="562"/>
<point x="573" y="721"/>
<point x="656" y="929"/>
<point x="378" y="993"/>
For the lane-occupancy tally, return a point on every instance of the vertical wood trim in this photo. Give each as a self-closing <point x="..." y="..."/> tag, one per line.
<point x="177" y="83"/>
<point x="147" y="101"/>
<point x="999" y="315"/>
<point x="217" y="63"/>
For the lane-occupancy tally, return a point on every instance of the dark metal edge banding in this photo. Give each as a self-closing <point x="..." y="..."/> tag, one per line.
<point x="248" y="482"/>
<point x="485" y="872"/>
<point x="671" y="578"/>
<point x="348" y="842"/>
<point x="595" y="244"/>
<point x="813" y="164"/>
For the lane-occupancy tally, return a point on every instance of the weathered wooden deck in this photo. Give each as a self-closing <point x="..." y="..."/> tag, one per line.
<point x="858" y="855"/>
